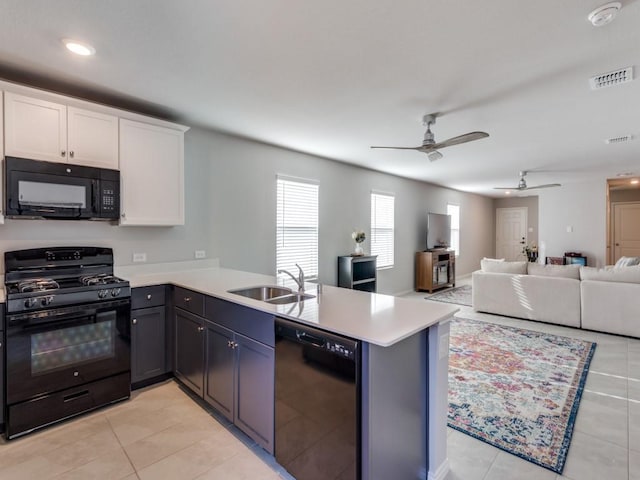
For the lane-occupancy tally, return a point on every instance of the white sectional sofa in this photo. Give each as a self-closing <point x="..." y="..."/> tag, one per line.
<point x="606" y="300"/>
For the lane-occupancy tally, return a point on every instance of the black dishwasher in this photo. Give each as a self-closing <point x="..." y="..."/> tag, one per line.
<point x="317" y="403"/>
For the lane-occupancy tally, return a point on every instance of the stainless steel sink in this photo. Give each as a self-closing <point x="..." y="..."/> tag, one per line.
<point x="292" y="298"/>
<point x="272" y="294"/>
<point x="263" y="293"/>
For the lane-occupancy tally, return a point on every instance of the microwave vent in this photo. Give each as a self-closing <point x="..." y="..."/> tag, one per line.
<point x="620" y="139"/>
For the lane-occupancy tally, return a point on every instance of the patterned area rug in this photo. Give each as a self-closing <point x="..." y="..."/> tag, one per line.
<point x="458" y="295"/>
<point x="516" y="389"/>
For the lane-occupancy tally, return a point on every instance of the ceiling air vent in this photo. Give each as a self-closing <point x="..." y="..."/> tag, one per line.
<point x="621" y="139"/>
<point x="611" y="79"/>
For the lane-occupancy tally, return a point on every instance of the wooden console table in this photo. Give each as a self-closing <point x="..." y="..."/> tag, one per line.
<point x="435" y="269"/>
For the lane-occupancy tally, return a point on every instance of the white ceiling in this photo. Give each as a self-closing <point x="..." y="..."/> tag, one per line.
<point x="332" y="77"/>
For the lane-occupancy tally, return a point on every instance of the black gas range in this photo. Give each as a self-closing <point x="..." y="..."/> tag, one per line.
<point x="67" y="335"/>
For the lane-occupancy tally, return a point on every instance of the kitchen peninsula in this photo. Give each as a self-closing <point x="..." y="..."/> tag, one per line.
<point x="404" y="357"/>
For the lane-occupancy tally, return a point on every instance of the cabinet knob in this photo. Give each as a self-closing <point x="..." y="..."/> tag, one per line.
<point x="134" y="321"/>
<point x="187" y="299"/>
<point x="201" y="329"/>
<point x="149" y="297"/>
<point x="71" y="153"/>
<point x="229" y="344"/>
<point x="235" y="345"/>
<point x="63" y="153"/>
<point x="123" y="215"/>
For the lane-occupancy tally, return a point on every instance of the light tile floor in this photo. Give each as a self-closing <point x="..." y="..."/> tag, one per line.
<point x="606" y="438"/>
<point x="163" y="433"/>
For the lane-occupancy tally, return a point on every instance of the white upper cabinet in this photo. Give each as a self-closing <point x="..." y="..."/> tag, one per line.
<point x="35" y="128"/>
<point x="92" y="138"/>
<point x="152" y="174"/>
<point x="43" y="130"/>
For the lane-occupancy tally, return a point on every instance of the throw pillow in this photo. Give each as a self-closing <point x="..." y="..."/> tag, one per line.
<point x="519" y="268"/>
<point x="623" y="274"/>
<point x="485" y="261"/>
<point x="627" y="262"/>
<point x="564" y="271"/>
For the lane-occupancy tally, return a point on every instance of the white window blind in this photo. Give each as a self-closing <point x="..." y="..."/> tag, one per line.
<point x="454" y="211"/>
<point x="382" y="228"/>
<point x="297" y="226"/>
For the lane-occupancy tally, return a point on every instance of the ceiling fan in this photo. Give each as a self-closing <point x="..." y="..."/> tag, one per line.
<point x="522" y="184"/>
<point x="431" y="147"/>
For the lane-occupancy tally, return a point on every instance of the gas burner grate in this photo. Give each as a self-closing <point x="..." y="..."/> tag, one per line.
<point x="38" y="285"/>
<point x="102" y="279"/>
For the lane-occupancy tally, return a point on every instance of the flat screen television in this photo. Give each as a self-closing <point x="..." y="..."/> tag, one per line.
<point x="438" y="231"/>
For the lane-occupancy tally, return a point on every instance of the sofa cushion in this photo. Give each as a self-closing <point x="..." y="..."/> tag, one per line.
<point x="627" y="262"/>
<point x="519" y="268"/>
<point x="611" y="274"/>
<point x="564" y="271"/>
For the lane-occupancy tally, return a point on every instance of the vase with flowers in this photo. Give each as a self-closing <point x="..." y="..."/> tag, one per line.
<point x="358" y="236"/>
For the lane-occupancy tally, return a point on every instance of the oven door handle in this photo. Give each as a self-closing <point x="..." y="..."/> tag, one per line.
<point x="26" y="320"/>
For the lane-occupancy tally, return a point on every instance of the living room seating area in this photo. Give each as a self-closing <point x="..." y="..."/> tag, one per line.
<point x="600" y="299"/>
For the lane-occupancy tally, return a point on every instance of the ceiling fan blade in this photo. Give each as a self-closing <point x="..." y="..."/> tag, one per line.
<point x="467" y="137"/>
<point x="548" y="185"/>
<point x="434" y="155"/>
<point x="507" y="188"/>
<point x="402" y="148"/>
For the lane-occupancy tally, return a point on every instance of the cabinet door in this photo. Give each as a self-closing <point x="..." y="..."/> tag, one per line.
<point x="92" y="138"/>
<point x="152" y="168"/>
<point x="34" y="128"/>
<point x="219" y="368"/>
<point x="189" y="349"/>
<point x="255" y="401"/>
<point x="1" y="157"/>
<point x="2" y="404"/>
<point x="148" y="349"/>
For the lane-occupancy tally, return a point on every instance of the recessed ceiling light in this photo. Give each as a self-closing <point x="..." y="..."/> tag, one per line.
<point x="604" y="14"/>
<point x="79" y="48"/>
<point x="635" y="181"/>
<point x="508" y="192"/>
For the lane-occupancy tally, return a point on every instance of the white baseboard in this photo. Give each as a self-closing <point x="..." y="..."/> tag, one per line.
<point x="463" y="277"/>
<point x="441" y="472"/>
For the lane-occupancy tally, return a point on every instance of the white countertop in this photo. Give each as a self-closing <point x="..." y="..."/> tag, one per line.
<point x="375" y="318"/>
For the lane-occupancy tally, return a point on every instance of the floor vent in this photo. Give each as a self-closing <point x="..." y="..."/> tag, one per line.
<point x="611" y="79"/>
<point x="621" y="139"/>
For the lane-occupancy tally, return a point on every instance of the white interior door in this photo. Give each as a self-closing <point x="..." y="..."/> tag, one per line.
<point x="626" y="230"/>
<point x="511" y="233"/>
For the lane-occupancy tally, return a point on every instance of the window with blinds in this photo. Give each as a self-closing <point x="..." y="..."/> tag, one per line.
<point x="454" y="211"/>
<point x="297" y="226"/>
<point x="382" y="228"/>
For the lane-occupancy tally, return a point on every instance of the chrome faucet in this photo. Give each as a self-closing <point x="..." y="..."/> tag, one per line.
<point x="299" y="281"/>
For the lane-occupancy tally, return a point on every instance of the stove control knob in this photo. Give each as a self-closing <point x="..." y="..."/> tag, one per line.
<point x="44" y="301"/>
<point x="115" y="292"/>
<point x="29" y="302"/>
<point x="103" y="293"/>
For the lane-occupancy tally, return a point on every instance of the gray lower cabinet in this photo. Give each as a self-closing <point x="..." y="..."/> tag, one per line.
<point x="189" y="353"/>
<point x="240" y="367"/>
<point x="148" y="340"/>
<point x="219" y="368"/>
<point x="239" y="381"/>
<point x="2" y="404"/>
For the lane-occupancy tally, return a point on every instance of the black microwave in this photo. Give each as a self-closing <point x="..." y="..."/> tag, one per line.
<point x="36" y="189"/>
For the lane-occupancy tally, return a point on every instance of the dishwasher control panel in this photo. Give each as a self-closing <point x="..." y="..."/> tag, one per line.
<point x="339" y="349"/>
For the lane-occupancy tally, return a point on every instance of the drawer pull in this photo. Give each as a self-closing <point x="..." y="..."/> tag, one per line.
<point x="149" y="297"/>
<point x="75" y="396"/>
<point x="187" y="299"/>
<point x="134" y="321"/>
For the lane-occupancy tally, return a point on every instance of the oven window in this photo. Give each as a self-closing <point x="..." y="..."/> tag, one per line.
<point x="51" y="194"/>
<point x="58" y="349"/>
